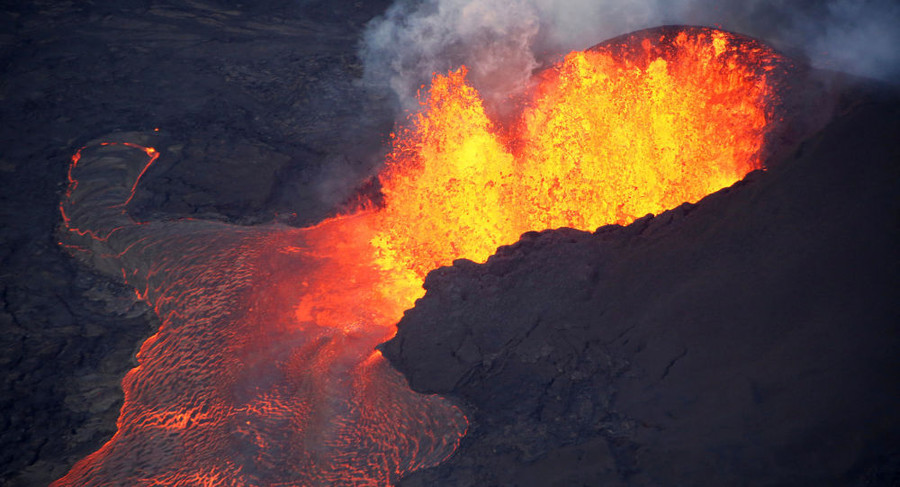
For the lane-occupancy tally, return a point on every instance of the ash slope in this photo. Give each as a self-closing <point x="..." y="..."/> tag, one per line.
<point x="750" y="339"/>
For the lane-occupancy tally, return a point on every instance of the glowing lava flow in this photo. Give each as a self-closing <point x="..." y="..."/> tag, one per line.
<point x="263" y="371"/>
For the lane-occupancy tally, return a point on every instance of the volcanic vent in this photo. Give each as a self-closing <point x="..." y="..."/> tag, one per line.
<point x="264" y="370"/>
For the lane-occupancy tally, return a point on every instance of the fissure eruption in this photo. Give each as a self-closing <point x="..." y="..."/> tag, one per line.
<point x="264" y="370"/>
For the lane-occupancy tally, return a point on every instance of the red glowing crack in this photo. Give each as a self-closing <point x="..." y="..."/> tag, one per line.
<point x="152" y="156"/>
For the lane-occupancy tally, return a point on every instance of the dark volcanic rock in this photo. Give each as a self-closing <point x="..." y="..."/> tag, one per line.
<point x="750" y="339"/>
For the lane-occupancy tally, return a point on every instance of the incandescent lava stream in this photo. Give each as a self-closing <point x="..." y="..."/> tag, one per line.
<point x="264" y="371"/>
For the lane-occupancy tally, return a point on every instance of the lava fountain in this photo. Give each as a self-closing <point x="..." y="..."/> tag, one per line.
<point x="264" y="370"/>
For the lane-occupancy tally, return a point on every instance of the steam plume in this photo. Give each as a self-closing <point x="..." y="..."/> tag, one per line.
<point x="502" y="41"/>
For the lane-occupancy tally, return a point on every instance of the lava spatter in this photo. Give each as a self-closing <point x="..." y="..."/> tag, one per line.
<point x="637" y="125"/>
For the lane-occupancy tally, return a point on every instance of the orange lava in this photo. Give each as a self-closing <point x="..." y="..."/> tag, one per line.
<point x="263" y="372"/>
<point x="608" y="135"/>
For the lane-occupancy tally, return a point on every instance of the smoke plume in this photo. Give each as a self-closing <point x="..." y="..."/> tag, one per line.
<point x="503" y="41"/>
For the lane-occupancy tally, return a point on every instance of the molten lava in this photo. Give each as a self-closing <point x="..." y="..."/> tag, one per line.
<point x="263" y="372"/>
<point x="635" y="126"/>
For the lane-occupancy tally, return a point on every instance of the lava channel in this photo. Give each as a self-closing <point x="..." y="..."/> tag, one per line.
<point x="264" y="371"/>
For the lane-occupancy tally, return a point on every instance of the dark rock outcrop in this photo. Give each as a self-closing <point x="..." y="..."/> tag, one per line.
<point x="750" y="339"/>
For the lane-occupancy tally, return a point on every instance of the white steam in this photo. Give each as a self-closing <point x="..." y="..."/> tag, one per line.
<point x="502" y="41"/>
<point x="493" y="38"/>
